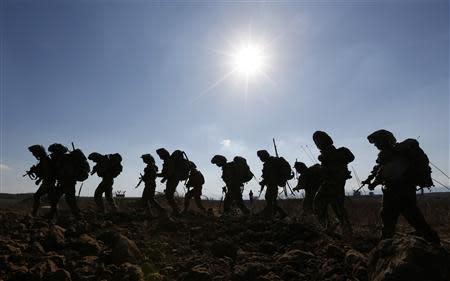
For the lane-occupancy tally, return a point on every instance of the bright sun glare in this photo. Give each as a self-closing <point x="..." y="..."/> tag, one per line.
<point x="248" y="60"/>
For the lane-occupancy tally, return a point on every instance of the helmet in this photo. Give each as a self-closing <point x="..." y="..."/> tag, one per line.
<point x="219" y="160"/>
<point x="95" y="156"/>
<point x="383" y="137"/>
<point x="263" y="154"/>
<point x="163" y="153"/>
<point x="148" y="158"/>
<point x="37" y="150"/>
<point x="57" y="148"/>
<point x="322" y="139"/>
<point x="300" y="166"/>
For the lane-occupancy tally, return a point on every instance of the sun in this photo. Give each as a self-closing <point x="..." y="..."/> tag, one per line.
<point x="248" y="60"/>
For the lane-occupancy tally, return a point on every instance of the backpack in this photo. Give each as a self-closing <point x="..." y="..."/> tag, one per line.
<point x="283" y="170"/>
<point x="79" y="165"/>
<point x="115" y="164"/>
<point x="345" y="154"/>
<point x="242" y="170"/>
<point x="181" y="165"/>
<point x="196" y="179"/>
<point x="419" y="170"/>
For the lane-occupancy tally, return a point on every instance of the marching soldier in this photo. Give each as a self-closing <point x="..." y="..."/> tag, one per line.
<point x="149" y="179"/>
<point x="309" y="180"/>
<point x="195" y="181"/>
<point x="400" y="168"/>
<point x="233" y="184"/>
<point x="334" y="162"/>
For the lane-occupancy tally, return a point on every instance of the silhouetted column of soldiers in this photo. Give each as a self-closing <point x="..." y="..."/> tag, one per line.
<point x="400" y="168"/>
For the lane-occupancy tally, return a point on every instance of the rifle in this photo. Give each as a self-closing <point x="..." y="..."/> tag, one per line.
<point x="287" y="183"/>
<point x="359" y="188"/>
<point x="79" y="190"/>
<point x="140" y="181"/>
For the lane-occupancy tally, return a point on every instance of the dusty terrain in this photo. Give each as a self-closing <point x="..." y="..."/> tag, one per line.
<point x="133" y="245"/>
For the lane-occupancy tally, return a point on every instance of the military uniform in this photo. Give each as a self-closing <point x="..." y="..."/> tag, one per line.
<point x="66" y="180"/>
<point x="196" y="181"/>
<point x="399" y="192"/>
<point x="334" y="175"/>
<point x="43" y="172"/>
<point x="168" y="175"/>
<point x="103" y="170"/>
<point x="271" y="180"/>
<point x="149" y="179"/>
<point x="309" y="180"/>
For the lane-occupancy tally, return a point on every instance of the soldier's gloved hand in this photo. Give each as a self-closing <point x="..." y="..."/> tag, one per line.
<point x="365" y="182"/>
<point x="371" y="186"/>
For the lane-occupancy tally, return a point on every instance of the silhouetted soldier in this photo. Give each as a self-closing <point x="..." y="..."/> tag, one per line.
<point x="400" y="168"/>
<point x="107" y="167"/>
<point x="335" y="173"/>
<point x="230" y="175"/>
<point x="196" y="181"/>
<point x="69" y="167"/>
<point x="250" y="197"/>
<point x="175" y="169"/>
<point x="149" y="179"/>
<point x="309" y="180"/>
<point x="42" y="172"/>
<point x="271" y="177"/>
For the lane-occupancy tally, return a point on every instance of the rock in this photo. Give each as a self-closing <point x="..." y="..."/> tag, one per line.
<point x="295" y="258"/>
<point x="269" y="277"/>
<point x="125" y="250"/>
<point x="198" y="273"/>
<point x="408" y="258"/>
<point x="59" y="275"/>
<point x="223" y="248"/>
<point x="249" y="271"/>
<point x="88" y="246"/>
<point x="37" y="248"/>
<point x="129" y="272"/>
<point x="86" y="268"/>
<point x="41" y="269"/>
<point x="55" y="239"/>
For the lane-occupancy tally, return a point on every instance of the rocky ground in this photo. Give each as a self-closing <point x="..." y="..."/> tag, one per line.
<point x="131" y="245"/>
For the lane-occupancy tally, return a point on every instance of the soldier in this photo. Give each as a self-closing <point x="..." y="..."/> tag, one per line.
<point x="42" y="172"/>
<point x="335" y="173"/>
<point x="107" y="167"/>
<point x="175" y="169"/>
<point x="66" y="179"/>
<point x="196" y="181"/>
<point x="271" y="179"/>
<point x="233" y="184"/>
<point x="250" y="197"/>
<point x="400" y="168"/>
<point x="309" y="180"/>
<point x="149" y="179"/>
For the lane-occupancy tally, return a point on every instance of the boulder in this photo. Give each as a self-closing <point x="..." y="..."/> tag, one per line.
<point x="408" y="258"/>
<point x="125" y="250"/>
<point x="55" y="239"/>
<point x="198" y="273"/>
<point x="87" y="245"/>
<point x="295" y="258"/>
<point x="224" y="248"/>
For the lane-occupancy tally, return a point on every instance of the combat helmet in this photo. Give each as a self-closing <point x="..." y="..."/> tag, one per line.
<point x="163" y="153"/>
<point x="263" y="154"/>
<point x="382" y="137"/>
<point x="95" y="156"/>
<point x="57" y="148"/>
<point x="37" y="150"/>
<point x="322" y="139"/>
<point x="148" y="158"/>
<point x="300" y="166"/>
<point x="219" y="160"/>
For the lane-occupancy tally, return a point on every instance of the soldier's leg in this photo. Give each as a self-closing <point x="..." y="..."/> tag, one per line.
<point x="389" y="215"/>
<point x="187" y="199"/>
<point x="414" y="216"/>
<point x="109" y="195"/>
<point x="198" y="198"/>
<point x="321" y="205"/>
<point x="341" y="213"/>
<point x="169" y="194"/>
<point x="308" y="203"/>
<point x="69" y="194"/>
<point x="57" y="192"/>
<point x="98" y="194"/>
<point x="42" y="190"/>
<point x="227" y="201"/>
<point x="237" y="196"/>
<point x="145" y="197"/>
